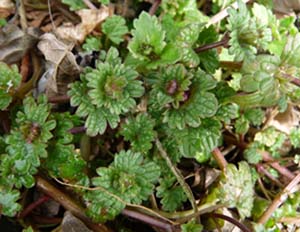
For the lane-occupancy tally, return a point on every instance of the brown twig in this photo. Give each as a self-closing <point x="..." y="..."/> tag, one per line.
<point x="77" y="130"/>
<point x="280" y="199"/>
<point x="32" y="206"/>
<point x="24" y="69"/>
<point x="68" y="203"/>
<point x="59" y="99"/>
<point x="260" y="168"/>
<point x="154" y="7"/>
<point x="222" y="43"/>
<point x="217" y="154"/>
<point x="274" y="164"/>
<point x="231" y="220"/>
<point x="186" y="188"/>
<point x="148" y="219"/>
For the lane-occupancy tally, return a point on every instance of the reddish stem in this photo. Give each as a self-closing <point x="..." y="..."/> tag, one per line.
<point x="282" y="170"/>
<point x="222" y="43"/>
<point x="32" y="206"/>
<point x="77" y="130"/>
<point x="154" y="7"/>
<point x="231" y="220"/>
<point x="59" y="99"/>
<point x="24" y="69"/>
<point x="46" y="220"/>
<point x="219" y="157"/>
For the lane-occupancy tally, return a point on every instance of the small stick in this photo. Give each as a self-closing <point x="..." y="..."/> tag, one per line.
<point x="147" y="219"/>
<point x="223" y="13"/>
<point x="231" y="220"/>
<point x="217" y="154"/>
<point x="178" y="175"/>
<point x="280" y="199"/>
<point x="68" y="203"/>
<point x="154" y="7"/>
<point x="32" y="206"/>
<point x="282" y="170"/>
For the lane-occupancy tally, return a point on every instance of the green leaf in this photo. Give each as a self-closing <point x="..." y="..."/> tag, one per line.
<point x="236" y="187"/>
<point x="203" y="139"/>
<point x="252" y="153"/>
<point x="191" y="226"/>
<point x="227" y="112"/>
<point x="209" y="59"/>
<point x="139" y="131"/>
<point x="129" y="177"/>
<point x="255" y="116"/>
<point x="115" y="28"/>
<point x="10" y="79"/>
<point x="241" y="125"/>
<point x="8" y="201"/>
<point x="91" y="44"/>
<point x="75" y="4"/>
<point x="172" y="196"/>
<point x="295" y="137"/>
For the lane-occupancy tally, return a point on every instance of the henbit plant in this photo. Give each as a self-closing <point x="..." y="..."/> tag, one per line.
<point x="157" y="110"/>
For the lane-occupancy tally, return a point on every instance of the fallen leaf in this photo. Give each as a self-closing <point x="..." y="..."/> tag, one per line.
<point x="14" y="43"/>
<point x="62" y="68"/>
<point x="90" y="18"/>
<point x="6" y="8"/>
<point x="72" y="223"/>
<point x="286" y="7"/>
<point x="285" y="121"/>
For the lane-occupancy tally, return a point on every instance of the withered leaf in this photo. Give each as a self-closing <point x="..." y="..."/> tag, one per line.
<point x="90" y="18"/>
<point x="62" y="68"/>
<point x="14" y="43"/>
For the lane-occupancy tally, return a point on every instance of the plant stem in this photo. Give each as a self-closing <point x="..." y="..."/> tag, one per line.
<point x="222" y="43"/>
<point x="260" y="168"/>
<point x="280" y="198"/>
<point x="59" y="99"/>
<point x="32" y="206"/>
<point x="178" y="175"/>
<point x="69" y="204"/>
<point x="282" y="170"/>
<point x="154" y="7"/>
<point x="231" y="220"/>
<point x="77" y="130"/>
<point x="217" y="154"/>
<point x="148" y="219"/>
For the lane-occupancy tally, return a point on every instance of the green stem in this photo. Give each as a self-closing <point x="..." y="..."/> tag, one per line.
<point x="178" y="176"/>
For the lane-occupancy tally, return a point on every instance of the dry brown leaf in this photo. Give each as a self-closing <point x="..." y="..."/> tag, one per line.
<point x="62" y="68"/>
<point x="6" y="8"/>
<point x="286" y="7"/>
<point x="14" y="43"/>
<point x="285" y="121"/>
<point x="90" y="18"/>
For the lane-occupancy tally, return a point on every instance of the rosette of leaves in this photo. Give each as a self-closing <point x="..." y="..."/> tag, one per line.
<point x="197" y="102"/>
<point x="25" y="146"/>
<point x="10" y="79"/>
<point x="236" y="188"/>
<point x="27" y="142"/>
<point x="106" y="92"/>
<point x="247" y="32"/>
<point x="139" y="131"/>
<point x="170" y="86"/>
<point x="148" y="45"/>
<point x="128" y="179"/>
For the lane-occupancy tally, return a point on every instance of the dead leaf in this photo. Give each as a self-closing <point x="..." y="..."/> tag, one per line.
<point x="14" y="43"/>
<point x="285" y="121"/>
<point x="90" y="18"/>
<point x="286" y="7"/>
<point x="6" y="8"/>
<point x="62" y="68"/>
<point x="72" y="223"/>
